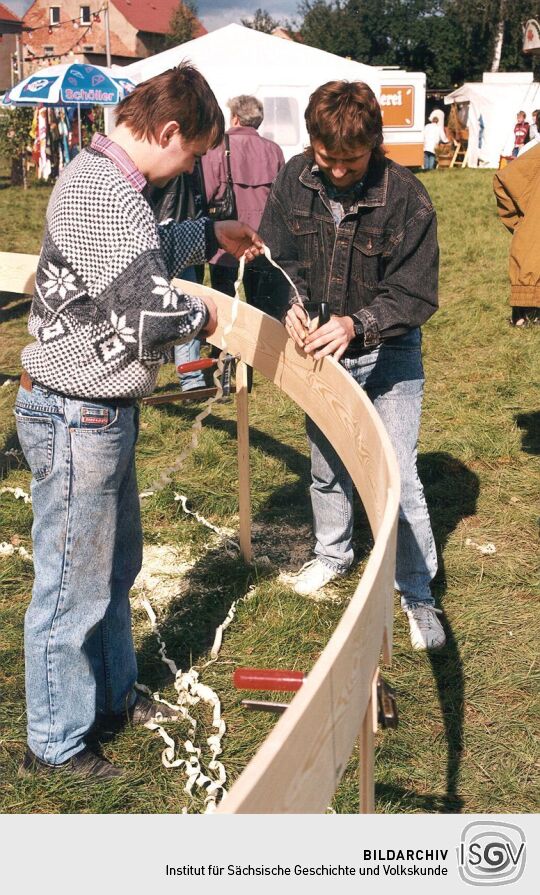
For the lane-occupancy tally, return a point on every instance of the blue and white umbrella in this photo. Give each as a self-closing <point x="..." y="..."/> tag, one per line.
<point x="75" y="84"/>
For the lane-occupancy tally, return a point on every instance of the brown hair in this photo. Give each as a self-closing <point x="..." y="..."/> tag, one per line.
<point x="345" y="115"/>
<point x="180" y="94"/>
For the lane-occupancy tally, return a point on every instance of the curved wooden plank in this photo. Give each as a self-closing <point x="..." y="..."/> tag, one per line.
<point x="299" y="765"/>
<point x="17" y="272"/>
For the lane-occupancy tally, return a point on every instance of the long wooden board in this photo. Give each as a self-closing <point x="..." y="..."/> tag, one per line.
<point x="299" y="765"/>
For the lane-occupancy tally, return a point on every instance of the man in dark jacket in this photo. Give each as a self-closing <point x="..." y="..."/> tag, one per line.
<point x="358" y="231"/>
<point x="182" y="199"/>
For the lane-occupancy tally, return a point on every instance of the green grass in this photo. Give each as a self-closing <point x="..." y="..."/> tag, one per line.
<point x="469" y="716"/>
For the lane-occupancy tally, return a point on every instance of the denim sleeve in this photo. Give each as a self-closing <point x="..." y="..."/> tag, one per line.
<point x="274" y="293"/>
<point x="408" y="289"/>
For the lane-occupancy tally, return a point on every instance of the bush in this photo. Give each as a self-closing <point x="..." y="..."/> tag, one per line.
<point x="15" y="141"/>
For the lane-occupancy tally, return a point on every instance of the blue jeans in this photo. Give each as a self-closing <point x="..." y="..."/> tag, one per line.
<point x="183" y="354"/>
<point x="430" y="161"/>
<point x="87" y="542"/>
<point x="189" y="351"/>
<point x="393" y="378"/>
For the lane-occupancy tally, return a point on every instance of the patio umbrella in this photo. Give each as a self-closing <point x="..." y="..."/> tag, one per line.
<point x="70" y="84"/>
<point x="56" y="85"/>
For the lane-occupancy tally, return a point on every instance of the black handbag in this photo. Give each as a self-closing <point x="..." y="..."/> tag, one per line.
<point x="224" y="209"/>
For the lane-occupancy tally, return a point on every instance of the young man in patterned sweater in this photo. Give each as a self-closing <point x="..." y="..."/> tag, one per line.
<point x="102" y="313"/>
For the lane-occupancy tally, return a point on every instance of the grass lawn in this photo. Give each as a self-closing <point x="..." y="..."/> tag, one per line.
<point x="467" y="737"/>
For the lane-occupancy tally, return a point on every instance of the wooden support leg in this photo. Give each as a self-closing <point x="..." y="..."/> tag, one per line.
<point x="367" y="785"/>
<point x="244" y="496"/>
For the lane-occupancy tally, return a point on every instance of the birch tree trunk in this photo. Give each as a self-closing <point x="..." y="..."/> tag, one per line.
<point x="499" y="37"/>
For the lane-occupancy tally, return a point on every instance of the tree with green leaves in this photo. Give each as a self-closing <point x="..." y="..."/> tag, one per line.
<point x="493" y="32"/>
<point x="15" y="141"/>
<point x="184" y="24"/>
<point x="451" y="40"/>
<point x="261" y="21"/>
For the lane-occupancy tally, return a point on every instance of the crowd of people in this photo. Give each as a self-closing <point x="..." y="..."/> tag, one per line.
<point x="349" y="226"/>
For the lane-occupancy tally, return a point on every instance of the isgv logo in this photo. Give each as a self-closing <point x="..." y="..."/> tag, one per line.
<point x="491" y="853"/>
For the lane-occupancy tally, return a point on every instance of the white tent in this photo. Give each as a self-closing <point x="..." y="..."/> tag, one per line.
<point x="281" y="73"/>
<point x="493" y="106"/>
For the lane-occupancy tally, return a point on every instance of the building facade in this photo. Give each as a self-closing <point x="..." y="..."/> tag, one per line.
<point x="74" y="31"/>
<point x="10" y="47"/>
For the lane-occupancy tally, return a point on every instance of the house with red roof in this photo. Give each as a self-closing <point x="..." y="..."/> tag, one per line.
<point x="10" y="34"/>
<point x="74" y="31"/>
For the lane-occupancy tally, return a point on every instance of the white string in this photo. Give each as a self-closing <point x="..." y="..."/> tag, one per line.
<point x="10" y="550"/>
<point x="268" y="256"/>
<point x="18" y="494"/>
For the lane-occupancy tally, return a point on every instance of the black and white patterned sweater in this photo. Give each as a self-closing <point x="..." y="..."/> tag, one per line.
<point x="103" y="309"/>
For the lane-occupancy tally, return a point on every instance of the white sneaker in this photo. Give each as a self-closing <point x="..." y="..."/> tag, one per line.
<point x="426" y="629"/>
<point x="310" y="578"/>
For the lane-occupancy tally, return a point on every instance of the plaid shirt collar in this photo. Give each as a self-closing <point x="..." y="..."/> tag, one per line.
<point x="353" y="193"/>
<point x="121" y="159"/>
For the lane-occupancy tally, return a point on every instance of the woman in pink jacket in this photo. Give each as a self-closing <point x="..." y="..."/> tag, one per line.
<point x="254" y="164"/>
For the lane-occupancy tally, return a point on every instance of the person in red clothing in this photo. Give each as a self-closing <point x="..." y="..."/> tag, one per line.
<point x="255" y="162"/>
<point x="521" y="133"/>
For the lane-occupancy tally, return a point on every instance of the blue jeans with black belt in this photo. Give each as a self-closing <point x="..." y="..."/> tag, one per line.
<point x="87" y="543"/>
<point x="393" y="378"/>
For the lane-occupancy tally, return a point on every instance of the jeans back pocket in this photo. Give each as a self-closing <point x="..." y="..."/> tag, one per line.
<point x="36" y="436"/>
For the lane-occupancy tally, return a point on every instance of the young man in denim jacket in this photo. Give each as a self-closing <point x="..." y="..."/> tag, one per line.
<point x="356" y="230"/>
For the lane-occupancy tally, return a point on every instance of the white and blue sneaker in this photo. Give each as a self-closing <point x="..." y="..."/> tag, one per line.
<point x="311" y="578"/>
<point x="426" y="629"/>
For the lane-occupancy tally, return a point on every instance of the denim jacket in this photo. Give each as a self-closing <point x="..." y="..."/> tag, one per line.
<point x="379" y="263"/>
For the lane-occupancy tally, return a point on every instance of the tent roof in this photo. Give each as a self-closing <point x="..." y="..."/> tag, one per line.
<point x="225" y="50"/>
<point x="489" y="93"/>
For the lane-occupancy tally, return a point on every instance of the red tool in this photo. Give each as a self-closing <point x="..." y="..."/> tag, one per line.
<point x="203" y="364"/>
<point x="267" y="679"/>
<point x="281" y="679"/>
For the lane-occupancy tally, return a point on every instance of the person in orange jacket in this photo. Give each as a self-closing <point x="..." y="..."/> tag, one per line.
<point x="517" y="190"/>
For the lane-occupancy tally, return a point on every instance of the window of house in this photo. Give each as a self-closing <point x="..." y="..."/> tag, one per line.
<point x="281" y="120"/>
<point x="54" y="15"/>
<point x="48" y="51"/>
<point x="85" y="15"/>
<point x="88" y="48"/>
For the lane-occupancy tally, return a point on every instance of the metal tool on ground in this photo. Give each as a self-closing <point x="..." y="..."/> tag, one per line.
<point x="283" y="679"/>
<point x="267" y="679"/>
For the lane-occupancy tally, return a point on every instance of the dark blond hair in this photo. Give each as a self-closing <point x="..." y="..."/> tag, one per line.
<point x="248" y="109"/>
<point x="345" y="115"/>
<point x="180" y="94"/>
